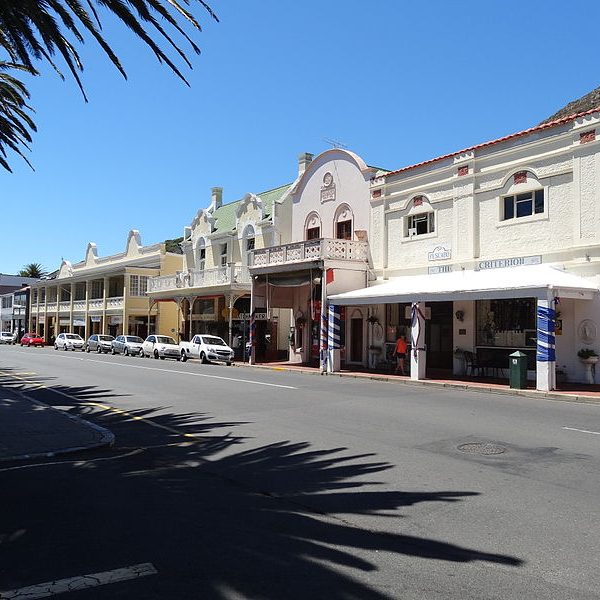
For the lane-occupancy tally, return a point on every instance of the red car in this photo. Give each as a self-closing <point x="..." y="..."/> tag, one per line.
<point x="32" y="339"/>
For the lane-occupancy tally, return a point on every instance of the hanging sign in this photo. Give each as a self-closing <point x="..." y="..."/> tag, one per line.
<point x="441" y="252"/>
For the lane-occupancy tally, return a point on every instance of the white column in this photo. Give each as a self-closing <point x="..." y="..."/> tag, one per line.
<point x="546" y="344"/>
<point x="417" y="338"/>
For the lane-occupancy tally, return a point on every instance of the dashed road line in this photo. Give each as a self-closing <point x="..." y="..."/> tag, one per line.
<point x="582" y="430"/>
<point x="81" y="582"/>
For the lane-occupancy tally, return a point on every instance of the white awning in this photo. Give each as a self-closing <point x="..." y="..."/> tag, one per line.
<point x="516" y="282"/>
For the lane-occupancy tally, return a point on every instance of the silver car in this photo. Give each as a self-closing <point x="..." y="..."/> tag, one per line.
<point x="99" y="343"/>
<point x="127" y="345"/>
<point x="7" y="337"/>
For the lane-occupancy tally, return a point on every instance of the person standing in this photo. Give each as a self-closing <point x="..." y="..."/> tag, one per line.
<point x="400" y="352"/>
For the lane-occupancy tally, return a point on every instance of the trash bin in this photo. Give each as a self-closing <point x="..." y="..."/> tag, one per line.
<point x="517" y="367"/>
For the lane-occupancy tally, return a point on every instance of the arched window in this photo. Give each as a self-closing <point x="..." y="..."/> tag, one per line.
<point x="312" y="227"/>
<point x="200" y="254"/>
<point x="523" y="196"/>
<point x="343" y="223"/>
<point x="420" y="219"/>
<point x="249" y="243"/>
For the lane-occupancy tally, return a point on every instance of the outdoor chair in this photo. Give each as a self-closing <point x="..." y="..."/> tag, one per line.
<point x="472" y="365"/>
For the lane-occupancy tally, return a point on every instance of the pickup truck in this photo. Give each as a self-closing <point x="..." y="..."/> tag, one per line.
<point x="208" y="348"/>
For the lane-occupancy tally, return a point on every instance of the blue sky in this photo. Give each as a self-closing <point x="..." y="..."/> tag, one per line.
<point x="395" y="82"/>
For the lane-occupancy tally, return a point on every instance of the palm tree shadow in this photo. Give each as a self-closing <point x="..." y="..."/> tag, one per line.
<point x="283" y="520"/>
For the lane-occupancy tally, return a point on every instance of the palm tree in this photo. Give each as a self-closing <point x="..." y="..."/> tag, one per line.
<point x="34" y="31"/>
<point x="33" y="270"/>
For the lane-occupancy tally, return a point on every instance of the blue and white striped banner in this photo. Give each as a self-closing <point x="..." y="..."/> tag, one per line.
<point x="546" y="342"/>
<point x="335" y="324"/>
<point x="323" y="335"/>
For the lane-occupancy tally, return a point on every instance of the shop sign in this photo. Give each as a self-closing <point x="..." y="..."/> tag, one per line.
<point x="204" y="317"/>
<point x="258" y="316"/>
<point x="440" y="269"/>
<point x="95" y="319"/>
<point x="503" y="263"/>
<point x="41" y="319"/>
<point x="64" y="322"/>
<point x="441" y="252"/>
<point x="116" y="320"/>
<point x="78" y="322"/>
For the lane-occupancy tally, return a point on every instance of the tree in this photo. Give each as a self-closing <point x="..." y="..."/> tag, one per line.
<point x="33" y="270"/>
<point x="35" y="31"/>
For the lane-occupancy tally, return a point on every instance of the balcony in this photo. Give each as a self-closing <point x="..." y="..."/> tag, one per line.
<point x="311" y="250"/>
<point x="51" y="307"/>
<point x="114" y="303"/>
<point x="79" y="305"/>
<point x="229" y="276"/>
<point x="64" y="307"/>
<point x="96" y="304"/>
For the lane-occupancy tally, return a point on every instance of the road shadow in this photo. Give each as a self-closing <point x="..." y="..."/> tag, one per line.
<point x="216" y="518"/>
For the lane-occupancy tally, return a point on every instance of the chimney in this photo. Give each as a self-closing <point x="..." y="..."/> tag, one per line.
<point x="216" y="199"/>
<point x="304" y="159"/>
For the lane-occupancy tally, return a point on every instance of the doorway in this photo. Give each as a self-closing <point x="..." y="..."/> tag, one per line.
<point x="439" y="340"/>
<point x="356" y="339"/>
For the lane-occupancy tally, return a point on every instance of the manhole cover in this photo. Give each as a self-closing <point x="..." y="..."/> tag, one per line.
<point x="486" y="449"/>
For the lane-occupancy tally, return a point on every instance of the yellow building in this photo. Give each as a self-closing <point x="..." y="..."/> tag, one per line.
<point x="106" y="294"/>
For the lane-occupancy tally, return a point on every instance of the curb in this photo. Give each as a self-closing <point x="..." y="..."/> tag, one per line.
<point x="553" y="396"/>
<point x="107" y="438"/>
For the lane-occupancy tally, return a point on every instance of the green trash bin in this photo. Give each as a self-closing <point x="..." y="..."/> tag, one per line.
<point x="517" y="367"/>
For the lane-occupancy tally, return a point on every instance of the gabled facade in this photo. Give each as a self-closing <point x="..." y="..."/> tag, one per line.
<point x="105" y="294"/>
<point x="491" y="250"/>
<point x="212" y="290"/>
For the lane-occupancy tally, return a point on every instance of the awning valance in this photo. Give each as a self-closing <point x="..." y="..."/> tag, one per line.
<point x="515" y="282"/>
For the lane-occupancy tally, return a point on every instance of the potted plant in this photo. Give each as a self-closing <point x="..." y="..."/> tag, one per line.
<point x="588" y="355"/>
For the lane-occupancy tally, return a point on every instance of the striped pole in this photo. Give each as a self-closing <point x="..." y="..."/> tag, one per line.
<point x="323" y="338"/>
<point x="546" y="345"/>
<point x="334" y="338"/>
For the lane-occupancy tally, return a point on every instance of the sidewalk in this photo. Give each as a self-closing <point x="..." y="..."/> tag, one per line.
<point x="31" y="429"/>
<point x="574" y="392"/>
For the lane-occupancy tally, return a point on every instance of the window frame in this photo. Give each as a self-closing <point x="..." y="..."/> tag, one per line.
<point x="528" y="218"/>
<point x="409" y="223"/>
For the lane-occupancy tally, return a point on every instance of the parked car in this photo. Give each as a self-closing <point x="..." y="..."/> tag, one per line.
<point x="127" y="344"/>
<point x="161" y="346"/>
<point x="32" y="339"/>
<point x="99" y="343"/>
<point x="7" y="337"/>
<point x="69" y="341"/>
<point x="208" y="348"/>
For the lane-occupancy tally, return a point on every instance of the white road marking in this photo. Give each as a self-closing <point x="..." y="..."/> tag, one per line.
<point x="81" y="582"/>
<point x="104" y="362"/>
<point x="582" y="430"/>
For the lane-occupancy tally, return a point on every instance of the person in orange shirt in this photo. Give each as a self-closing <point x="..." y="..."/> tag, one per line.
<point x="401" y="348"/>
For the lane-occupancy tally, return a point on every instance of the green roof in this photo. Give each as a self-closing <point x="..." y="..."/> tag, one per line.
<point x="225" y="215"/>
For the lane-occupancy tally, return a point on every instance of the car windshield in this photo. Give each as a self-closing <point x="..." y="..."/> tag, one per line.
<point x="135" y="339"/>
<point x="106" y="338"/>
<point x="164" y="339"/>
<point x="213" y="340"/>
<point x="72" y="336"/>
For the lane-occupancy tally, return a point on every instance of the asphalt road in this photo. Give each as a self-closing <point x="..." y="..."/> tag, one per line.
<point x="245" y="483"/>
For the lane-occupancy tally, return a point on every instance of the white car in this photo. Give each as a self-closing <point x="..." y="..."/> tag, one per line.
<point x="127" y="345"/>
<point x="69" y="341"/>
<point x="161" y="346"/>
<point x="208" y="348"/>
<point x="7" y="337"/>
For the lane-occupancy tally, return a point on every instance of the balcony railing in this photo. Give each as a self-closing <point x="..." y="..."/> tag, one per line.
<point x="96" y="304"/>
<point x="234" y="275"/>
<point x="79" y="305"/>
<point x="51" y="307"/>
<point x="115" y="302"/>
<point x="64" y="306"/>
<point x="323" y="249"/>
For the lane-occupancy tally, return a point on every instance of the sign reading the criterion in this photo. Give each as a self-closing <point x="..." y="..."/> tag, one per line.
<point x="441" y="252"/>
<point x="502" y="263"/>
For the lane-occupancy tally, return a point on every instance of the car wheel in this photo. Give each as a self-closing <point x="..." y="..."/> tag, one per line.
<point x="203" y="359"/>
<point x="156" y="354"/>
<point x="126" y="351"/>
<point x="55" y="347"/>
<point x="228" y="363"/>
<point x="98" y="350"/>
<point x="87" y="348"/>
<point x="162" y="358"/>
<point x="29" y="345"/>
<point x="142" y="355"/>
<point x="112" y="351"/>
<point x="183" y="356"/>
<point x="65" y="347"/>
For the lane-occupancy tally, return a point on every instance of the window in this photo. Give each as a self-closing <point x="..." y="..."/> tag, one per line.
<point x="223" y="256"/>
<point x="420" y="224"/>
<point x="97" y="289"/>
<point x="138" y="285"/>
<point x="314" y="233"/>
<point x="201" y="258"/>
<point x="523" y="205"/>
<point x="343" y="230"/>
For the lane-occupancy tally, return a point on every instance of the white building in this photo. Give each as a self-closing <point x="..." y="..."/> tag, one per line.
<point x="474" y="249"/>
